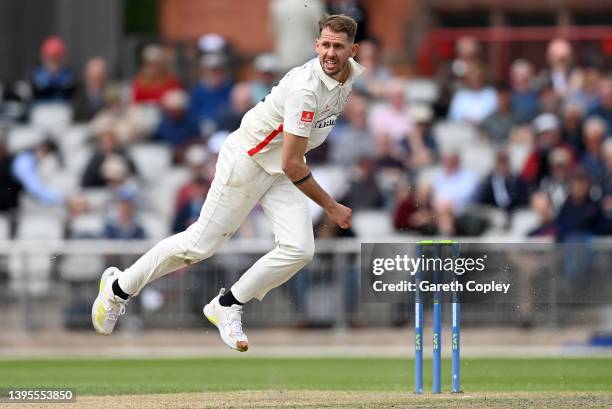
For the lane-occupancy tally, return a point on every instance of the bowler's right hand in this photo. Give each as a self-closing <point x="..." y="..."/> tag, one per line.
<point x="340" y="214"/>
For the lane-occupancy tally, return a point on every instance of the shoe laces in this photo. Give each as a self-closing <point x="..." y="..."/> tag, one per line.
<point x="235" y="319"/>
<point x="115" y="309"/>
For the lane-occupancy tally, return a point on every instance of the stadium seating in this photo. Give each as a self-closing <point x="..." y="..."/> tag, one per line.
<point x="24" y="137"/>
<point x="156" y="226"/>
<point x="31" y="270"/>
<point x="453" y="136"/>
<point x="422" y="90"/>
<point x="152" y="160"/>
<point x="52" y="117"/>
<point x="5" y="227"/>
<point x="160" y="196"/>
<point x="523" y="221"/>
<point x="372" y="224"/>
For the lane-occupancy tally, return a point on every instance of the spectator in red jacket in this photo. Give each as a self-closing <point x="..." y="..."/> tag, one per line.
<point x="548" y="136"/>
<point x="154" y="77"/>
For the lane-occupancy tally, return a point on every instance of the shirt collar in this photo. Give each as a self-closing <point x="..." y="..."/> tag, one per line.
<point x="356" y="70"/>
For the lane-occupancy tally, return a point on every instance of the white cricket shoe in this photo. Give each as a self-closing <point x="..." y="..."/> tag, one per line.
<point x="107" y="307"/>
<point x="229" y="322"/>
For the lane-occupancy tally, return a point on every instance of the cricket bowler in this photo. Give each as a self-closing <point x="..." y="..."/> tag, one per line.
<point x="261" y="162"/>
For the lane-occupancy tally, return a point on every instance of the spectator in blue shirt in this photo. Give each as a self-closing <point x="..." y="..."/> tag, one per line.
<point x="454" y="188"/>
<point x="603" y="106"/>
<point x="524" y="100"/>
<point x="212" y="94"/>
<point x="476" y="101"/>
<point x="594" y="131"/>
<point x="52" y="81"/>
<point x="240" y="103"/>
<point x="178" y="126"/>
<point x="580" y="217"/>
<point x="266" y="65"/>
<point x="121" y="223"/>
<point x="19" y="173"/>
<point x="189" y="211"/>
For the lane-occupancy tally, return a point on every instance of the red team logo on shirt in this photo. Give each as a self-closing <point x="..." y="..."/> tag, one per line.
<point x="307" y="116"/>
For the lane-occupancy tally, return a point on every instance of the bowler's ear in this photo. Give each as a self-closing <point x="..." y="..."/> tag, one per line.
<point x="316" y="43"/>
<point x="354" y="49"/>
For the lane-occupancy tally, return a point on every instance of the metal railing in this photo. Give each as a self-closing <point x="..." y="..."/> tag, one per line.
<point x="52" y="284"/>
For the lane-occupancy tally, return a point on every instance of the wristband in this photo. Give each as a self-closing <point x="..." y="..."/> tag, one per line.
<point x="302" y="180"/>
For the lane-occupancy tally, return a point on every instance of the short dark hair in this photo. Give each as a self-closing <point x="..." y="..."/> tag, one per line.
<point x="339" y="23"/>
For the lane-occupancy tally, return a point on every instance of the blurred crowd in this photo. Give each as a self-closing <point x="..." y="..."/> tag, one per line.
<point x="530" y="155"/>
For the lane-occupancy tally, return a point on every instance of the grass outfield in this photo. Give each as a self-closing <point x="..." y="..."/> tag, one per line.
<point x="160" y="376"/>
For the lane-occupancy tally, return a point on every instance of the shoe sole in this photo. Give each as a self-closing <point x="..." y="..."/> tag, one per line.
<point x="241" y="346"/>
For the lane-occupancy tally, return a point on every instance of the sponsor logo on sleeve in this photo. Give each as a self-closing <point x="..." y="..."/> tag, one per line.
<point x="307" y="116"/>
<point x="306" y="119"/>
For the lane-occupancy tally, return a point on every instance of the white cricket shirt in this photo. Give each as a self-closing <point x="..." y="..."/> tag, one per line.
<point x="306" y="102"/>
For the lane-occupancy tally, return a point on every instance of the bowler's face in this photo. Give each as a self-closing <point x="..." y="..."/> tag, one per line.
<point x="334" y="50"/>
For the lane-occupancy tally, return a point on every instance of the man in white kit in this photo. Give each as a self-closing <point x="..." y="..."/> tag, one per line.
<point x="263" y="161"/>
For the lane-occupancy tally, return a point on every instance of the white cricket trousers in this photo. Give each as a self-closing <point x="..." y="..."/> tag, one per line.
<point x="238" y="185"/>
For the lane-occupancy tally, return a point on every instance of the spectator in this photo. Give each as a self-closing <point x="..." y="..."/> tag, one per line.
<point x="580" y="217"/>
<point x="212" y="94"/>
<point x="451" y="76"/>
<point x="388" y="159"/>
<point x="352" y="140"/>
<point x="595" y="131"/>
<point x="603" y="106"/>
<point x="19" y="172"/>
<point x="419" y="145"/>
<point x="497" y="126"/>
<point x="548" y="136"/>
<point x="454" y="189"/>
<point x="572" y="127"/>
<point x="52" y="81"/>
<point x="524" y="99"/>
<point x="240" y="102"/>
<point x="201" y="167"/>
<point x="475" y="101"/>
<point x="107" y="146"/>
<point x="373" y="80"/>
<point x="266" y="66"/>
<point x="587" y="93"/>
<point x="541" y="206"/>
<point x="467" y="52"/>
<point x="129" y="122"/>
<point x="154" y="78"/>
<point x="213" y="43"/>
<point x="393" y="116"/>
<point x="121" y="223"/>
<point x="556" y="183"/>
<point x="414" y="210"/>
<point x="502" y="189"/>
<point x="550" y="101"/>
<point x="178" y="127"/>
<point x="90" y="95"/>
<point x="364" y="192"/>
<point x="190" y="209"/>
<point x="116" y="175"/>
<point x="606" y="202"/>
<point x="559" y="74"/>
<point x="294" y="22"/>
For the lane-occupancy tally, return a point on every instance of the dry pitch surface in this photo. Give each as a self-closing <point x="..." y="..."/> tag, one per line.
<point x="345" y="399"/>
